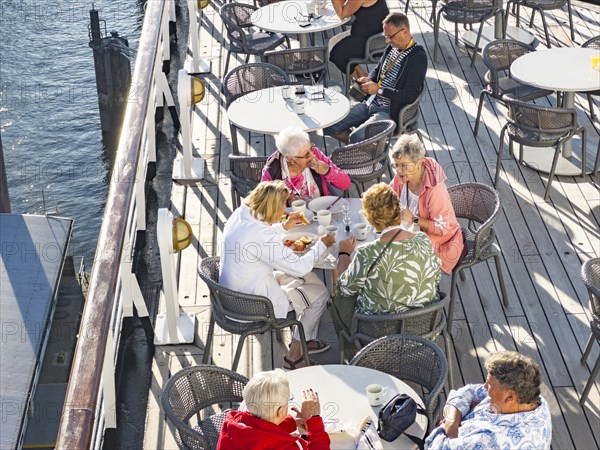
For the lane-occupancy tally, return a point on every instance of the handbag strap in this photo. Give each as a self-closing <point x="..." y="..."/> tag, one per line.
<point x="382" y="252"/>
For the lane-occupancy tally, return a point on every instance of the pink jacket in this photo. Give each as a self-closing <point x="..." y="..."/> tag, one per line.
<point x="434" y="204"/>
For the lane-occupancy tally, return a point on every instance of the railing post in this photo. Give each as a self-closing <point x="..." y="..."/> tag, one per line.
<point x="109" y="390"/>
<point x="198" y="66"/>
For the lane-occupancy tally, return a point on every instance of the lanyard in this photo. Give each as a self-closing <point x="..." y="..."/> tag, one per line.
<point x="392" y="61"/>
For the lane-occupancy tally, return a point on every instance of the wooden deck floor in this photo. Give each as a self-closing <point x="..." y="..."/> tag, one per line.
<point x="543" y="243"/>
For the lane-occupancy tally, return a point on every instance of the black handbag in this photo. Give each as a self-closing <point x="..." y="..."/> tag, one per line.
<point x="396" y="416"/>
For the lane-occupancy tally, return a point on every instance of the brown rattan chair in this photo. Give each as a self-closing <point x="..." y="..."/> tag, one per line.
<point x="239" y="313"/>
<point x="590" y="273"/>
<point x="197" y="390"/>
<point x="498" y="56"/>
<point x="540" y="126"/>
<point x="408" y="118"/>
<point x="366" y="160"/>
<point x="303" y="65"/>
<point x="249" y="78"/>
<point x="246" y="172"/>
<point x="480" y="205"/>
<point x="236" y="18"/>
<point x="429" y="322"/>
<point x="411" y="358"/>
<point x="595" y="44"/>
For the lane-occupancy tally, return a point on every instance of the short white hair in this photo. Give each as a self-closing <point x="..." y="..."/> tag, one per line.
<point x="410" y="146"/>
<point x="291" y="140"/>
<point x="266" y="392"/>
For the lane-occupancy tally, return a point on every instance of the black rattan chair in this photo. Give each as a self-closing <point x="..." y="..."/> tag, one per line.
<point x="408" y="118"/>
<point x="246" y="172"/>
<point x="374" y="48"/>
<point x="480" y="205"/>
<point x="540" y="126"/>
<point x="303" y="65"/>
<point x="540" y="6"/>
<point x="239" y="313"/>
<point x="595" y="44"/>
<point x="249" y="78"/>
<point x="366" y="160"/>
<point x="590" y="273"/>
<point x="429" y="322"/>
<point x="498" y="56"/>
<point x="236" y="18"/>
<point x="412" y="358"/>
<point x="189" y="400"/>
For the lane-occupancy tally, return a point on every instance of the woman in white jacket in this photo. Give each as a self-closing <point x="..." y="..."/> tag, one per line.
<point x="255" y="261"/>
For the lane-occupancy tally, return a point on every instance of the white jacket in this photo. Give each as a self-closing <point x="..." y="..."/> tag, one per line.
<point x="252" y="250"/>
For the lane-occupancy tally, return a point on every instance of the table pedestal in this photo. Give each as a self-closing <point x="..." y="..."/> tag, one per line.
<point x="488" y="35"/>
<point x="540" y="159"/>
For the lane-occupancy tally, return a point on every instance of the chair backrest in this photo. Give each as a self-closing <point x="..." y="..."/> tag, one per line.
<point x="309" y="61"/>
<point x="246" y="172"/>
<point x="590" y="273"/>
<point x="234" y="311"/>
<point x="193" y="389"/>
<point x="592" y="43"/>
<point x="412" y="358"/>
<point x="374" y="48"/>
<point x="499" y="55"/>
<point x="236" y="17"/>
<point x="480" y="204"/>
<point x="251" y="77"/>
<point x="408" y="117"/>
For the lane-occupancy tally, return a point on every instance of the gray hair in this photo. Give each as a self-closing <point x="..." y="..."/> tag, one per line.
<point x="516" y="372"/>
<point x="397" y="19"/>
<point x="408" y="145"/>
<point x="266" y="392"/>
<point x="291" y="140"/>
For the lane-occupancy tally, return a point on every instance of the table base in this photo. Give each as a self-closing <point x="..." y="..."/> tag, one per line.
<point x="488" y="35"/>
<point x="197" y="171"/>
<point x="540" y="159"/>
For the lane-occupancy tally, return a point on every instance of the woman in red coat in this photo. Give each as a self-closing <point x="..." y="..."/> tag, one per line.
<point x="266" y="424"/>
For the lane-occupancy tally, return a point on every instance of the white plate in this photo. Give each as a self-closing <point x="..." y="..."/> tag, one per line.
<point x="307" y="213"/>
<point x="319" y="203"/>
<point x="297" y="235"/>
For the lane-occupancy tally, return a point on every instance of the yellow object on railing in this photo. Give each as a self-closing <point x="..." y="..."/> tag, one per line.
<point x="201" y="4"/>
<point x="182" y="234"/>
<point x="198" y="90"/>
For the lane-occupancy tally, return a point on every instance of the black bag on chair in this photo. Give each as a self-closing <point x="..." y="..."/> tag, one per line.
<point x="396" y="416"/>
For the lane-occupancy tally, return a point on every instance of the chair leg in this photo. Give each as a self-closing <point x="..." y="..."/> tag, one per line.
<point x="448" y="346"/>
<point x="436" y="34"/>
<point x="238" y="352"/>
<point x="592" y="111"/>
<point x="479" y="108"/>
<point x="501" y="279"/>
<point x="583" y="153"/>
<point x="234" y="140"/>
<point x="570" y="19"/>
<point x="456" y="33"/>
<point x="452" y="300"/>
<point x="590" y="382"/>
<point x="209" y="338"/>
<point x="588" y="349"/>
<point x="462" y="275"/>
<point x="477" y="44"/>
<point x="303" y="343"/>
<point x="227" y="61"/>
<point x="552" y="170"/>
<point x="498" y="161"/>
<point x="597" y="163"/>
<point x="545" y="28"/>
<point x="406" y="7"/>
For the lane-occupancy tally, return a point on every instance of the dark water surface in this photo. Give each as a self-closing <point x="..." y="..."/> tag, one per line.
<point x="49" y="115"/>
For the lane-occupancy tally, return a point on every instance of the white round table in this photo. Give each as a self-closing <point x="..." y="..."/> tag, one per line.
<point x="559" y="69"/>
<point x="286" y="16"/>
<point x="267" y="112"/>
<point x="344" y="403"/>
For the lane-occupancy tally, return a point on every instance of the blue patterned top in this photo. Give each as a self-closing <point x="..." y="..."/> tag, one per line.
<point x="481" y="428"/>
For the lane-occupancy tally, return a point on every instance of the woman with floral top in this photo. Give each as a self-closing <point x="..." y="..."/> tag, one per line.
<point x="405" y="276"/>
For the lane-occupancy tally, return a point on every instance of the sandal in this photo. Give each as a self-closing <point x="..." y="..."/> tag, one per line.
<point x="291" y="364"/>
<point x="315" y="346"/>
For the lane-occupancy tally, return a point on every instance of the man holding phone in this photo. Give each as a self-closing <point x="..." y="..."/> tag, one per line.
<point x="396" y="81"/>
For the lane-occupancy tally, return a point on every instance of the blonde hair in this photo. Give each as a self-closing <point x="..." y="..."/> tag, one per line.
<point x="382" y="206"/>
<point x="291" y="140"/>
<point x="266" y="199"/>
<point x="408" y="145"/>
<point x="266" y="392"/>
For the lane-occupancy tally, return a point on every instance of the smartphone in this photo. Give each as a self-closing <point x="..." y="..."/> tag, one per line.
<point x="300" y="90"/>
<point x="317" y="95"/>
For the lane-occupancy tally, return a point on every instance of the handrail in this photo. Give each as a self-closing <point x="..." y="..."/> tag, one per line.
<point x="78" y="416"/>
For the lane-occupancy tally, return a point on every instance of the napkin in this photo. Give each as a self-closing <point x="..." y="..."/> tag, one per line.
<point x="367" y="438"/>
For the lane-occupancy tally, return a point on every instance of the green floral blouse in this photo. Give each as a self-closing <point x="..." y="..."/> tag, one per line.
<point x="405" y="276"/>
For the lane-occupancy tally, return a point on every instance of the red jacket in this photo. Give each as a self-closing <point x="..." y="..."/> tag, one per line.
<point x="435" y="205"/>
<point x="243" y="431"/>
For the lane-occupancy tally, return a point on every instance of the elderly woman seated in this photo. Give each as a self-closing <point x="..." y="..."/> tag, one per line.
<point x="507" y="411"/>
<point x="256" y="261"/>
<point x="266" y="424"/>
<point x="396" y="272"/>
<point x="304" y="168"/>
<point x="420" y="184"/>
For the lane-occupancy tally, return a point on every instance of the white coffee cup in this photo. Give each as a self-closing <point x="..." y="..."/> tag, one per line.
<point x="323" y="217"/>
<point x="375" y="394"/>
<point x="299" y="107"/>
<point x="363" y="218"/>
<point x="287" y="91"/>
<point x="299" y="205"/>
<point x="331" y="229"/>
<point x="361" y="230"/>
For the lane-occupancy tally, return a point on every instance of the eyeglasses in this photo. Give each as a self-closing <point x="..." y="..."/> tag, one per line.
<point x="307" y="155"/>
<point x="386" y="37"/>
<point x="404" y="166"/>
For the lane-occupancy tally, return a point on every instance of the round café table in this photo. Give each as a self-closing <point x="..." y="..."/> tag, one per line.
<point x="344" y="403"/>
<point x="286" y="16"/>
<point x="267" y="112"/>
<point x="563" y="69"/>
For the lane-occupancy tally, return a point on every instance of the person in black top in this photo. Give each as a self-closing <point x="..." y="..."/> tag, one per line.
<point x="396" y="81"/>
<point x="368" y="14"/>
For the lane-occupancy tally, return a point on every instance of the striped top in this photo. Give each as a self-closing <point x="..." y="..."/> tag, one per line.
<point x="388" y="77"/>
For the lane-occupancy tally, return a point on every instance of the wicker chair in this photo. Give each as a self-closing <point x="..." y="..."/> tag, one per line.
<point x="412" y="358"/>
<point x="541" y="6"/>
<point x="498" y="56"/>
<point x="303" y="65"/>
<point x="246" y="172"/>
<point x="366" y="160"/>
<point x="429" y="322"/>
<point x="249" y="78"/>
<point x="466" y="12"/>
<point x="194" y="389"/>
<point x="595" y="44"/>
<point x="590" y="273"/>
<point x="480" y="205"/>
<point x="540" y="126"/>
<point x="236" y="18"/>
<point x="374" y="48"/>
<point x="408" y="118"/>
<point x="239" y="313"/>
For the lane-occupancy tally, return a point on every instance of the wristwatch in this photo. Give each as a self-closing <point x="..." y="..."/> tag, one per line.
<point x="380" y="91"/>
<point x="416" y="220"/>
